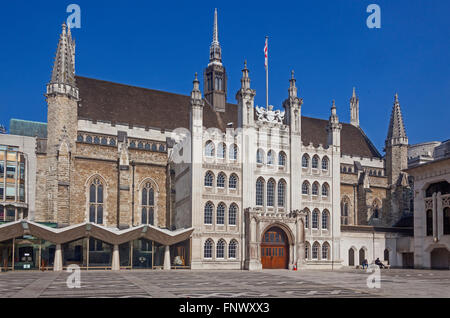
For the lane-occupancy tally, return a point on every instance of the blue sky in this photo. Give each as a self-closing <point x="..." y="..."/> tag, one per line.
<point x="160" y="45"/>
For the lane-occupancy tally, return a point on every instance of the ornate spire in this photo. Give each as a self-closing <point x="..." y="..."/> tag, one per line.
<point x="196" y="94"/>
<point x="245" y="80"/>
<point x="396" y="133"/>
<point x="64" y="67"/>
<point x="334" y="119"/>
<point x="215" y="52"/>
<point x="292" y="87"/>
<point x="354" y="109"/>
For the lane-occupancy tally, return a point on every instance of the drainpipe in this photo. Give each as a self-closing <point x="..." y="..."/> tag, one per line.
<point x="118" y="193"/>
<point x="133" y="164"/>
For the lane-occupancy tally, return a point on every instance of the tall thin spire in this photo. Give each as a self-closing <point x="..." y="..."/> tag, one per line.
<point x="64" y="66"/>
<point x="354" y="109"/>
<point x="215" y="52"/>
<point x="396" y="133"/>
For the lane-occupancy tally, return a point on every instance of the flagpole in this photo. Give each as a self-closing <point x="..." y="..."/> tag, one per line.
<point x="267" y="75"/>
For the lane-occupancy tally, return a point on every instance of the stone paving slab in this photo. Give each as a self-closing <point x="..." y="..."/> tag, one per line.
<point x="226" y="284"/>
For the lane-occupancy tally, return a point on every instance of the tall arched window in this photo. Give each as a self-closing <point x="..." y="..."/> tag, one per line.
<point x="209" y="179"/>
<point x="220" y="253"/>
<point x="270" y="192"/>
<point x="446" y="222"/>
<point x="315" y="162"/>
<point x="315" y="189"/>
<point x="325" y="189"/>
<point x="375" y="209"/>
<point x="325" y="163"/>
<point x="96" y="201"/>
<point x="209" y="208"/>
<point x="232" y="214"/>
<point x="233" y="182"/>
<point x="260" y="156"/>
<point x="325" y="216"/>
<point x="221" y="151"/>
<point x="315" y="219"/>
<point x="208" y="249"/>
<point x="260" y="192"/>
<point x="307" y="218"/>
<point x="305" y="188"/>
<point x="232" y="249"/>
<point x="221" y="214"/>
<point x="221" y="179"/>
<point x="307" y="251"/>
<point x="282" y="159"/>
<point x="305" y="161"/>
<point x="281" y="193"/>
<point x="233" y="152"/>
<point x="315" y="250"/>
<point x="429" y="223"/>
<point x="209" y="149"/>
<point x="148" y="204"/>
<point x="325" y="251"/>
<point x="344" y="211"/>
<point x="270" y="158"/>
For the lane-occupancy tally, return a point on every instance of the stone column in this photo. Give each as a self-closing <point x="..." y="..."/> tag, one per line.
<point x="167" y="265"/>
<point x="116" y="258"/>
<point x="58" y="263"/>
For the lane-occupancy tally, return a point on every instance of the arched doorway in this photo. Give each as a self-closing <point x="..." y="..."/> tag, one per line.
<point x="351" y="257"/>
<point x="440" y="258"/>
<point x="275" y="249"/>
<point x="362" y="256"/>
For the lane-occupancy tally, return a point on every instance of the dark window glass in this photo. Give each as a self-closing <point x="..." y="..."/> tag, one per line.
<point x="144" y="216"/>
<point x="92" y="214"/>
<point x="92" y="194"/>
<point x="446" y="221"/>
<point x="144" y="196"/>
<point x="100" y="214"/>
<point x="429" y="223"/>
<point x="100" y="194"/>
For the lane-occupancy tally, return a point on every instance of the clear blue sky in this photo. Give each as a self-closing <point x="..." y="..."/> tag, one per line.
<point x="161" y="44"/>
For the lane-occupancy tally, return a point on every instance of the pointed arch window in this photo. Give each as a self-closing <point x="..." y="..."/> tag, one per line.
<point x="315" y="219"/>
<point x="260" y="156"/>
<point x="307" y="219"/>
<point x="282" y="159"/>
<point x="325" y="190"/>
<point x="209" y="208"/>
<point x="232" y="214"/>
<point x="208" y="249"/>
<point x="221" y="179"/>
<point x="209" y="149"/>
<point x="305" y="161"/>
<point x="270" y="158"/>
<point x="344" y="212"/>
<point x="325" y="163"/>
<point x="325" y="216"/>
<point x="221" y="214"/>
<point x="260" y="192"/>
<point x="233" y="182"/>
<point x="270" y="193"/>
<point x="315" y="188"/>
<point x="232" y="249"/>
<point x="307" y="251"/>
<point x="375" y="210"/>
<point x="221" y="151"/>
<point x="209" y="179"/>
<point x="315" y="162"/>
<point x="96" y="205"/>
<point x="148" y="204"/>
<point x="315" y="251"/>
<point x="233" y="152"/>
<point x="305" y="188"/>
<point x="220" y="253"/>
<point x="325" y="251"/>
<point x="281" y="193"/>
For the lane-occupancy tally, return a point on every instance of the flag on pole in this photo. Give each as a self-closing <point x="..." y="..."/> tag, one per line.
<point x="266" y="52"/>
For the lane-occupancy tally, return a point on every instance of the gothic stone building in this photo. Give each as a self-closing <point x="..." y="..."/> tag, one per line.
<point x="130" y="177"/>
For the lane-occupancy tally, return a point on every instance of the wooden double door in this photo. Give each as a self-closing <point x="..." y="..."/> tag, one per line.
<point x="274" y="249"/>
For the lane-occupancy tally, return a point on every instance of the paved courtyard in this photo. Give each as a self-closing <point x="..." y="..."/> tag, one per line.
<point x="229" y="284"/>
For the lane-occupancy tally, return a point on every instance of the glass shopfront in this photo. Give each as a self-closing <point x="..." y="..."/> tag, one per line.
<point x="180" y="256"/>
<point x="142" y="254"/>
<point x="74" y="253"/>
<point x="100" y="254"/>
<point x="27" y="253"/>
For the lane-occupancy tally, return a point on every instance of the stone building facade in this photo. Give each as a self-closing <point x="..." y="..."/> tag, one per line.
<point x="256" y="187"/>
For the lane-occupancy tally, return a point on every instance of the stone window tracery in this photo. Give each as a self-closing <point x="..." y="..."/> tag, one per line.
<point x="209" y="208"/>
<point x="96" y="203"/>
<point x="148" y="204"/>
<point x="208" y="249"/>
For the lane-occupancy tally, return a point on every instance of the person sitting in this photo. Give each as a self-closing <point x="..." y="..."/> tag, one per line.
<point x="379" y="263"/>
<point x="365" y="264"/>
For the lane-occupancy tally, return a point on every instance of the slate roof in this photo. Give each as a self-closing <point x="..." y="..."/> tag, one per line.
<point x="27" y="128"/>
<point x="118" y="103"/>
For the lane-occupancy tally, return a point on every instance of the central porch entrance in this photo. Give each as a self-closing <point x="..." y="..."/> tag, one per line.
<point x="274" y="249"/>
